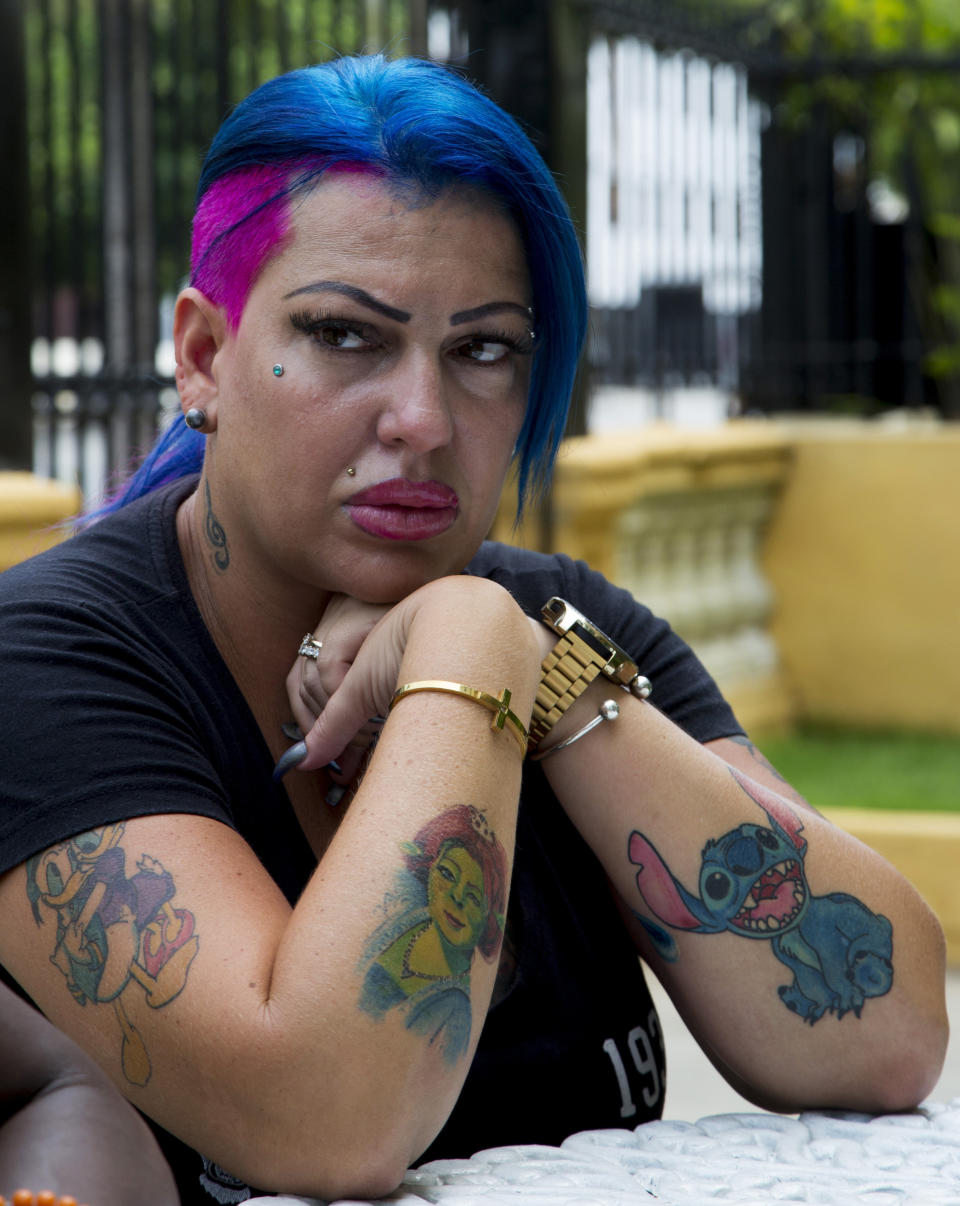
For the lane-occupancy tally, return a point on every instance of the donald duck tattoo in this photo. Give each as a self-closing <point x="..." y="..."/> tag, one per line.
<point x="752" y="883"/>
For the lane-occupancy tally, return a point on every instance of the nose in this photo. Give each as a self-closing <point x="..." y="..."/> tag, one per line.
<point x="416" y="411"/>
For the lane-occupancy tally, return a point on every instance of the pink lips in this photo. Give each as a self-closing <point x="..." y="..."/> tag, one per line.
<point x="400" y="509"/>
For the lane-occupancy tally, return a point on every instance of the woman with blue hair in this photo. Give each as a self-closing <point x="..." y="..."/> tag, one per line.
<point x="281" y="726"/>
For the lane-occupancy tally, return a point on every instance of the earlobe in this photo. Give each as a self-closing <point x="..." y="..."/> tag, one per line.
<point x="199" y="329"/>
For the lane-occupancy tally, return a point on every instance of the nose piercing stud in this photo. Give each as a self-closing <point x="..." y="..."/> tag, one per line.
<point x="278" y="370"/>
<point x="351" y="472"/>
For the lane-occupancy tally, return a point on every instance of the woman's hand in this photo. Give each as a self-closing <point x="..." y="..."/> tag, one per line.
<point x="353" y="680"/>
<point x="345" y="625"/>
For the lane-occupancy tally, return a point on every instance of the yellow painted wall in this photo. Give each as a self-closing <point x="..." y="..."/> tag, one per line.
<point x="30" y="509"/>
<point x="925" y="848"/>
<point x="863" y="553"/>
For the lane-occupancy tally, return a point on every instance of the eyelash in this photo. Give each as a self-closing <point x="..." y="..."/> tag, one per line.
<point x="312" y="322"/>
<point x="523" y="345"/>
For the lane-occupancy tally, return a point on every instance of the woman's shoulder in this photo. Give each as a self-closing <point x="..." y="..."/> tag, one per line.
<point x="526" y="573"/>
<point x="532" y="578"/>
<point x="683" y="688"/>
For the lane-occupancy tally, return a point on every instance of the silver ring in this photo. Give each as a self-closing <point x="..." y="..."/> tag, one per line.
<point x="309" y="647"/>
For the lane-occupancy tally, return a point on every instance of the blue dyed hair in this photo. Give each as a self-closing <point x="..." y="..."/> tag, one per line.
<point x="419" y="123"/>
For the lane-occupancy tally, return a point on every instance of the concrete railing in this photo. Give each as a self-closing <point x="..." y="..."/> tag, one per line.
<point x="679" y="519"/>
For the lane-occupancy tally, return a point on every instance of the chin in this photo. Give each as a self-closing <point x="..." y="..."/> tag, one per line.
<point x="391" y="577"/>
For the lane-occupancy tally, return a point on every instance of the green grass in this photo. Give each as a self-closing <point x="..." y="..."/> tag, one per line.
<point x="836" y="768"/>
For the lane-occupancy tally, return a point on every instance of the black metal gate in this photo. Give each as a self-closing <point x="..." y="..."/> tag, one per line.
<point x="108" y="106"/>
<point x="122" y="97"/>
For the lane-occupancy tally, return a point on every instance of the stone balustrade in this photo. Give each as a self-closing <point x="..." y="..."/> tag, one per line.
<point x="679" y="518"/>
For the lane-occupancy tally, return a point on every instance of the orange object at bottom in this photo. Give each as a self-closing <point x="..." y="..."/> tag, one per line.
<point x="26" y="1197"/>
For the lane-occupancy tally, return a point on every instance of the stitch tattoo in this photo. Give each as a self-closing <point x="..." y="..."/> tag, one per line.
<point x="113" y="929"/>
<point x="753" y="883"/>
<point x="449" y="902"/>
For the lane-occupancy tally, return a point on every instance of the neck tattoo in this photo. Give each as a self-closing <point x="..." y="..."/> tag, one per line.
<point x="216" y="536"/>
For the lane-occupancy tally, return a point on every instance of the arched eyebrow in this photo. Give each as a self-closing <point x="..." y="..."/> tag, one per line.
<point x="496" y="307"/>
<point x="380" y="307"/>
<point x="355" y="294"/>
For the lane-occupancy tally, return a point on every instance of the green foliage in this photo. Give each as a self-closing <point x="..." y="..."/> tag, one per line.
<point x="63" y="133"/>
<point x="837" y="768"/>
<point x="204" y="57"/>
<point x="806" y="28"/>
<point x="885" y="70"/>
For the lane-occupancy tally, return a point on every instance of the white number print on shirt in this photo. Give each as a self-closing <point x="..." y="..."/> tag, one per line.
<point x="642" y="1073"/>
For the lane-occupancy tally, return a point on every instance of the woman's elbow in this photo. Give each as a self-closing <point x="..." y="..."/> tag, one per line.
<point x="908" y="1071"/>
<point x="355" y="1162"/>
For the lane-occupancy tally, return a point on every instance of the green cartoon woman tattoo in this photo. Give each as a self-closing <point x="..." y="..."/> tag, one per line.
<point x="449" y="903"/>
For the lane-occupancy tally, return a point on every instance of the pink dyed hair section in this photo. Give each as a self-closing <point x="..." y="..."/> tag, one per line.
<point x="242" y="220"/>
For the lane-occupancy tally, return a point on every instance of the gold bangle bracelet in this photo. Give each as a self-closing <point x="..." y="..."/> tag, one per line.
<point x="498" y="704"/>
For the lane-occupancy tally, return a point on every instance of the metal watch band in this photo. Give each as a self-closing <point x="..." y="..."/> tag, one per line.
<point x="566" y="672"/>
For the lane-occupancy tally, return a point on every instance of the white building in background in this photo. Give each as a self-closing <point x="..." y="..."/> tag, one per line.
<point x="673" y="199"/>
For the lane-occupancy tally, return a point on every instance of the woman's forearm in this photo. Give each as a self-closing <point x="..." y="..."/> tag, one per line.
<point x="807" y="967"/>
<point x="361" y="1009"/>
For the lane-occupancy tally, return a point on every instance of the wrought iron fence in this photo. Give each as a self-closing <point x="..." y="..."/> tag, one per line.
<point x="122" y="99"/>
<point x="729" y="251"/>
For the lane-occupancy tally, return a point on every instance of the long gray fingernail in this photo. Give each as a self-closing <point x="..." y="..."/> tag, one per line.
<point x="292" y="731"/>
<point x="335" y="794"/>
<point x="293" y="757"/>
<point x="335" y="767"/>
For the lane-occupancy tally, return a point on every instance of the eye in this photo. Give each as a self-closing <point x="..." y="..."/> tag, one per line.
<point x="717" y="885"/>
<point x="335" y="336"/>
<point x="490" y="347"/>
<point x="483" y="351"/>
<point x="766" y="838"/>
<point x="445" y="873"/>
<point x="339" y="334"/>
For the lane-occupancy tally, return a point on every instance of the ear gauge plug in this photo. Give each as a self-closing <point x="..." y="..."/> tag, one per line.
<point x="195" y="418"/>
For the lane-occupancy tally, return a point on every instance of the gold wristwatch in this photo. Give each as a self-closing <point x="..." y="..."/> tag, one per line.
<point x="582" y="653"/>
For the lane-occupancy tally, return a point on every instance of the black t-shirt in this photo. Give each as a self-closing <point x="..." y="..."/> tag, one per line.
<point x="116" y="703"/>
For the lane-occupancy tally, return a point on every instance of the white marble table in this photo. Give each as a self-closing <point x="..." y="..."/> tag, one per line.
<point x="830" y="1159"/>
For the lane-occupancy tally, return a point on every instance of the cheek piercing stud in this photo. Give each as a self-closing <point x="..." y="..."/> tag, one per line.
<point x="195" y="418"/>
<point x="278" y="370"/>
<point x="351" y="472"/>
